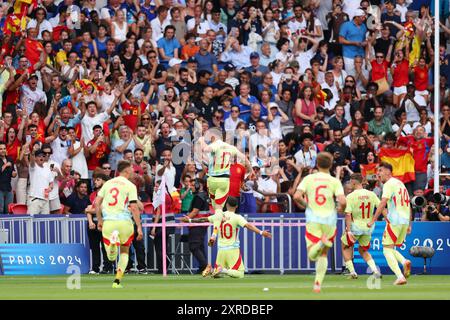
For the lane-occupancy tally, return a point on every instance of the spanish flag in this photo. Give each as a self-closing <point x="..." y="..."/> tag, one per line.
<point x="14" y="24"/>
<point x="402" y="162"/>
<point x="369" y="170"/>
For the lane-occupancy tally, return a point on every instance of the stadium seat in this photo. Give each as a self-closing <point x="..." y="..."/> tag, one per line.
<point x="148" y="208"/>
<point x="16" y="208"/>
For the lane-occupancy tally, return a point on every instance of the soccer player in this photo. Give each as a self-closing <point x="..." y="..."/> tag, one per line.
<point x="361" y="203"/>
<point x="221" y="157"/>
<point x="229" y="259"/>
<point x="113" y="204"/>
<point x="398" y="221"/>
<point x="317" y="193"/>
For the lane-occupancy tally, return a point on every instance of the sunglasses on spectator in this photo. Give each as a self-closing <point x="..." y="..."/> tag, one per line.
<point x="106" y="168"/>
<point x="47" y="153"/>
<point x="380" y="57"/>
<point x="146" y="118"/>
<point x="351" y="81"/>
<point x="234" y="111"/>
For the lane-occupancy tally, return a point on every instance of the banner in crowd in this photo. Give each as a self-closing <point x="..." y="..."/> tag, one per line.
<point x="43" y="259"/>
<point x="402" y="162"/>
<point x="429" y="234"/>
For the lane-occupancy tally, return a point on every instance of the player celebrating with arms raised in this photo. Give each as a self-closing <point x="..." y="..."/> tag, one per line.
<point x="361" y="203"/>
<point x="220" y="160"/>
<point x="398" y="221"/>
<point x="317" y="193"/>
<point x="113" y="204"/>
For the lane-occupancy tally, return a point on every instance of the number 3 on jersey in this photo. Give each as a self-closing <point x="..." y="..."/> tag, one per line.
<point x="115" y="194"/>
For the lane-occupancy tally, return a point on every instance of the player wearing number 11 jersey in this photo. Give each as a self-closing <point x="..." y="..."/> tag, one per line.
<point x="317" y="193"/>
<point x="115" y="203"/>
<point x="398" y="221"/>
<point x="361" y="204"/>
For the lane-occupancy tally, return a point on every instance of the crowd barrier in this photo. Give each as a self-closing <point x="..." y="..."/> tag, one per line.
<point x="284" y="253"/>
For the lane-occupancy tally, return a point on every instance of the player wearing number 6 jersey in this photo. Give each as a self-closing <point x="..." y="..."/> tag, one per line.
<point x="361" y="203"/>
<point x="115" y="203"/>
<point x="317" y="193"/>
<point x="229" y="259"/>
<point x="398" y="221"/>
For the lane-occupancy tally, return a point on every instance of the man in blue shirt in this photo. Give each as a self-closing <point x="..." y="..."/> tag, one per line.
<point x="206" y="60"/>
<point x="244" y="101"/>
<point x="168" y="46"/>
<point x="352" y="36"/>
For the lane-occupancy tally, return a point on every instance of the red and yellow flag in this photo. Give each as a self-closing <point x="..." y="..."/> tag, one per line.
<point x="402" y="162"/>
<point x="369" y="170"/>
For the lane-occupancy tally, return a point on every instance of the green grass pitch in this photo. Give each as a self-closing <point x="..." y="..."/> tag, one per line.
<point x="186" y="287"/>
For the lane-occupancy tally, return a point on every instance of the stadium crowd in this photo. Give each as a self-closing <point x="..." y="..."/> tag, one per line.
<point x="85" y="84"/>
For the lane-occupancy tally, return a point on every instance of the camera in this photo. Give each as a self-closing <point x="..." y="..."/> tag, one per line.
<point x="72" y="172"/>
<point x="418" y="201"/>
<point x="146" y="159"/>
<point x="431" y="208"/>
<point x="441" y="198"/>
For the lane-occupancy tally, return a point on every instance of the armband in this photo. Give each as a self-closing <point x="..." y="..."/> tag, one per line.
<point x="261" y="232"/>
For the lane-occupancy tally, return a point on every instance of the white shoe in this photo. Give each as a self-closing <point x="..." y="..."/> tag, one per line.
<point x="353" y="275"/>
<point x="93" y="272"/>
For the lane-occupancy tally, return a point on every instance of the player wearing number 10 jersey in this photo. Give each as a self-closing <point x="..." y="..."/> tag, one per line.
<point x="229" y="259"/>
<point x="317" y="193"/>
<point x="361" y="204"/>
<point x="398" y="221"/>
<point x="113" y="204"/>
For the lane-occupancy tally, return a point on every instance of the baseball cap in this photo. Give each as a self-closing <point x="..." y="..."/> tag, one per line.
<point x="33" y="75"/>
<point x="174" y="61"/>
<point x="359" y="13"/>
<point x="272" y="105"/>
<point x="192" y="60"/>
<point x="229" y="67"/>
<point x="294" y="64"/>
<point x="254" y="55"/>
<point x="410" y="84"/>
<point x="320" y="109"/>
<point x="192" y="110"/>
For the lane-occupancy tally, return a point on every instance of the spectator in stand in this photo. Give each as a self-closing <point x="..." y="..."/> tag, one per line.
<point x="352" y="36"/>
<point x="41" y="183"/>
<point x="380" y="125"/>
<point x="7" y="172"/>
<point x="78" y="201"/>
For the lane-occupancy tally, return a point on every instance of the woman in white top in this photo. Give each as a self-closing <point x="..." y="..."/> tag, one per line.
<point x="40" y="22"/>
<point x="284" y="54"/>
<point x="119" y="27"/>
<point x="313" y="25"/>
<point x="105" y="97"/>
<point x="276" y="68"/>
<point x="339" y="72"/>
<point x="271" y="30"/>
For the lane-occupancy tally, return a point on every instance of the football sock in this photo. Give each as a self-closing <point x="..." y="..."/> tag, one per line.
<point x="349" y="265"/>
<point x="315" y="250"/>
<point x="372" y="265"/>
<point x="392" y="262"/>
<point x="399" y="256"/>
<point x="321" y="269"/>
<point x="111" y="252"/>
<point x="122" y="265"/>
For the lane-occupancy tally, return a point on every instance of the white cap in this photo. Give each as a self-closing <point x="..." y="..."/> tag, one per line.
<point x="174" y="61"/>
<point x="359" y="13"/>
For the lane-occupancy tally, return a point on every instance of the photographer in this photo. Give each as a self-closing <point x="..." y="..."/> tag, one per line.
<point x="199" y="209"/>
<point x="435" y="212"/>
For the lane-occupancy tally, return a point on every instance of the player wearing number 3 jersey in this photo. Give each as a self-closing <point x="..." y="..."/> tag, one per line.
<point x="361" y="205"/>
<point x="398" y="221"/>
<point x="317" y="193"/>
<point x="229" y="259"/>
<point x="115" y="203"/>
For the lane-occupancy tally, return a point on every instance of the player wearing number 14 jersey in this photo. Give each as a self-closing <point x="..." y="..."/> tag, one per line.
<point x="398" y="221"/>
<point x="317" y="193"/>
<point x="115" y="203"/>
<point x="361" y="203"/>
